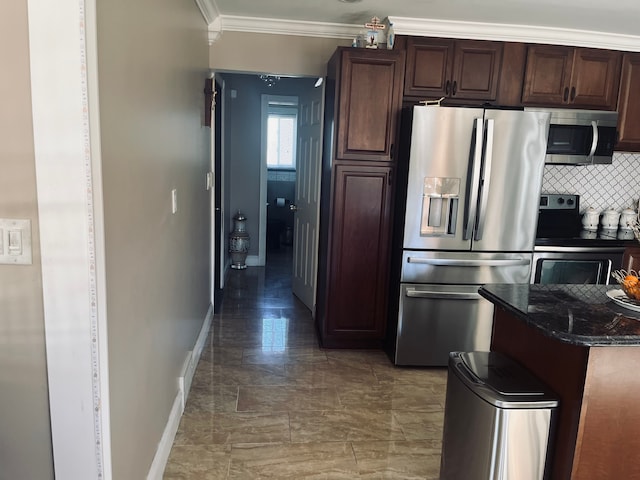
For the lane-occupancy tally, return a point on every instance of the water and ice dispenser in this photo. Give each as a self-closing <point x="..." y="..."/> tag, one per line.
<point x="440" y="196"/>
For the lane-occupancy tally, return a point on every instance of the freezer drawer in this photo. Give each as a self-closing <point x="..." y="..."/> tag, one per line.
<point x="498" y="420"/>
<point x="471" y="268"/>
<point x="434" y="320"/>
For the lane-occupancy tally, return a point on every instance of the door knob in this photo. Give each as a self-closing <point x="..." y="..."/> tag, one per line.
<point x="293" y="207"/>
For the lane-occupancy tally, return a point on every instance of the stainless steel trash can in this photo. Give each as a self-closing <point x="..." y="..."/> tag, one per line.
<point x="498" y="420"/>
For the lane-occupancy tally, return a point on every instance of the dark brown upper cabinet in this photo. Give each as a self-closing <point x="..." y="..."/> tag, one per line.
<point x="370" y="99"/>
<point x="454" y="69"/>
<point x="629" y="104"/>
<point x="557" y="76"/>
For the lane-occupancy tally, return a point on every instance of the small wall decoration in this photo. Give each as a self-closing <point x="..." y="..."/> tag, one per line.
<point x="209" y="100"/>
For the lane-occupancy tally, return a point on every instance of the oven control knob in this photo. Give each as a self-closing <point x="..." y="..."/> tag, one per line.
<point x="560" y="201"/>
<point x="570" y="201"/>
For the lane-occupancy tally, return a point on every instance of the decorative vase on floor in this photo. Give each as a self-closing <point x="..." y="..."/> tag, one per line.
<point x="239" y="242"/>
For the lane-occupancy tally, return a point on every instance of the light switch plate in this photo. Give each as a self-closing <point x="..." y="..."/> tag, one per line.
<point x="174" y="200"/>
<point x="15" y="241"/>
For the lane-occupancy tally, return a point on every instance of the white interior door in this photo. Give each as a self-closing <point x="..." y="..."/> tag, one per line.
<point x="307" y="199"/>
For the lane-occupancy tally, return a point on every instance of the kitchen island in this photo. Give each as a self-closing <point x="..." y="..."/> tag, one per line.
<point x="587" y="349"/>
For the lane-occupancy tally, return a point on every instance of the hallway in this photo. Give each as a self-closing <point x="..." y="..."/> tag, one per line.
<point x="267" y="402"/>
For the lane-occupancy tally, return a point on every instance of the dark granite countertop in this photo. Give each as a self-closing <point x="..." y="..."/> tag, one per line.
<point x="575" y="314"/>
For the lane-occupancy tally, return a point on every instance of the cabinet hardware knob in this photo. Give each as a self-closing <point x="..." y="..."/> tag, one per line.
<point x="573" y="93"/>
<point x="455" y="87"/>
<point x="565" y="96"/>
<point x="447" y="87"/>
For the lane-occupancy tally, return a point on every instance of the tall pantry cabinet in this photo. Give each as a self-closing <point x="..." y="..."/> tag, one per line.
<point x="362" y="107"/>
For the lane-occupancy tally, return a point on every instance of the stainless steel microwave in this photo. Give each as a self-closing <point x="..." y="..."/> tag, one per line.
<point x="580" y="137"/>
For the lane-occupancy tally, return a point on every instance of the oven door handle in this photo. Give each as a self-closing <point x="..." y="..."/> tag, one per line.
<point x="413" y="293"/>
<point x="451" y="262"/>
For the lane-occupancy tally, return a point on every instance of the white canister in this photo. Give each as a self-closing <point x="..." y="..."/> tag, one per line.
<point x="590" y="219"/>
<point x="628" y="218"/>
<point x="610" y="219"/>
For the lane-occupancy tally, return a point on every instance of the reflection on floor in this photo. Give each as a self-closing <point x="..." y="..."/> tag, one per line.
<point x="267" y="402"/>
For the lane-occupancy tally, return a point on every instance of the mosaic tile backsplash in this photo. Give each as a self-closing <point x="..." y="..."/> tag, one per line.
<point x="599" y="186"/>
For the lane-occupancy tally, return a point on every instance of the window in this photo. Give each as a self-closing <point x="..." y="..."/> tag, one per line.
<point x="281" y="136"/>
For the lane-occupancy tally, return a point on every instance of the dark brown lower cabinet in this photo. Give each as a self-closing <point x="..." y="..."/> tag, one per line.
<point x="352" y="303"/>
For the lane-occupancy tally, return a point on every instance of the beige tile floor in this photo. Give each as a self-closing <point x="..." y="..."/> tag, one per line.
<point x="268" y="403"/>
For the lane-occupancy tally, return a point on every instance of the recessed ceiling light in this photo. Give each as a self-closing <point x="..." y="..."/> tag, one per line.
<point x="350" y="1"/>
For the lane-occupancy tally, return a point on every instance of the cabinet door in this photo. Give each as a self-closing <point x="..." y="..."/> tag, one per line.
<point x="595" y="78"/>
<point x="547" y="75"/>
<point x="370" y="98"/>
<point x="359" y="258"/>
<point x="629" y="104"/>
<point x="476" y="68"/>
<point x="429" y="64"/>
<point x="466" y="70"/>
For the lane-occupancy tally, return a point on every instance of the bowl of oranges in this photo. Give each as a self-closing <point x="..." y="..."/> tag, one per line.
<point x="629" y="282"/>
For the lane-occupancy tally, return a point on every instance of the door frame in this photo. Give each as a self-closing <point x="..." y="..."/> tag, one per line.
<point x="216" y="185"/>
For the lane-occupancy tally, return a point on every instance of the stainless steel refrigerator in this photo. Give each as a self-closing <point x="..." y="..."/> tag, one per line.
<point x="473" y="188"/>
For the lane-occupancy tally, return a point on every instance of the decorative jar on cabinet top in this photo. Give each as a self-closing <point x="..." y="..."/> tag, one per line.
<point x="239" y="242"/>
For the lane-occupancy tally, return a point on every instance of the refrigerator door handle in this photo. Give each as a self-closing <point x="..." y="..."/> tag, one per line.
<point x="485" y="179"/>
<point x="472" y="185"/>
<point x="413" y="293"/>
<point x="450" y="262"/>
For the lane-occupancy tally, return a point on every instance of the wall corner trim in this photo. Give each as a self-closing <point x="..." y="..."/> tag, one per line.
<point x="209" y="10"/>
<point x="214" y="31"/>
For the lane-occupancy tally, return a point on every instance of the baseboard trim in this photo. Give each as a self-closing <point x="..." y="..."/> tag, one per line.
<point x="184" y="385"/>
<point x="189" y="369"/>
<point x="166" y="442"/>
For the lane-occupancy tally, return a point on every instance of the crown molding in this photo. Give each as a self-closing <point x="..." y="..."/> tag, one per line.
<point x="513" y="33"/>
<point x="420" y="27"/>
<point x="209" y="10"/>
<point x="278" y="26"/>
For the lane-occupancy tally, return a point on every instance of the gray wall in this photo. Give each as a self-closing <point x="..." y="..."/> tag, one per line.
<point x="243" y="143"/>
<point x="152" y="65"/>
<point x="25" y="435"/>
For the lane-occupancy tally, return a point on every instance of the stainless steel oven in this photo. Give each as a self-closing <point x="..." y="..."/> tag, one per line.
<point x="583" y="265"/>
<point x="564" y="253"/>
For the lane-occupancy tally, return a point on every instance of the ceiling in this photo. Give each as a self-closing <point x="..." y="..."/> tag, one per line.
<point x="618" y="19"/>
